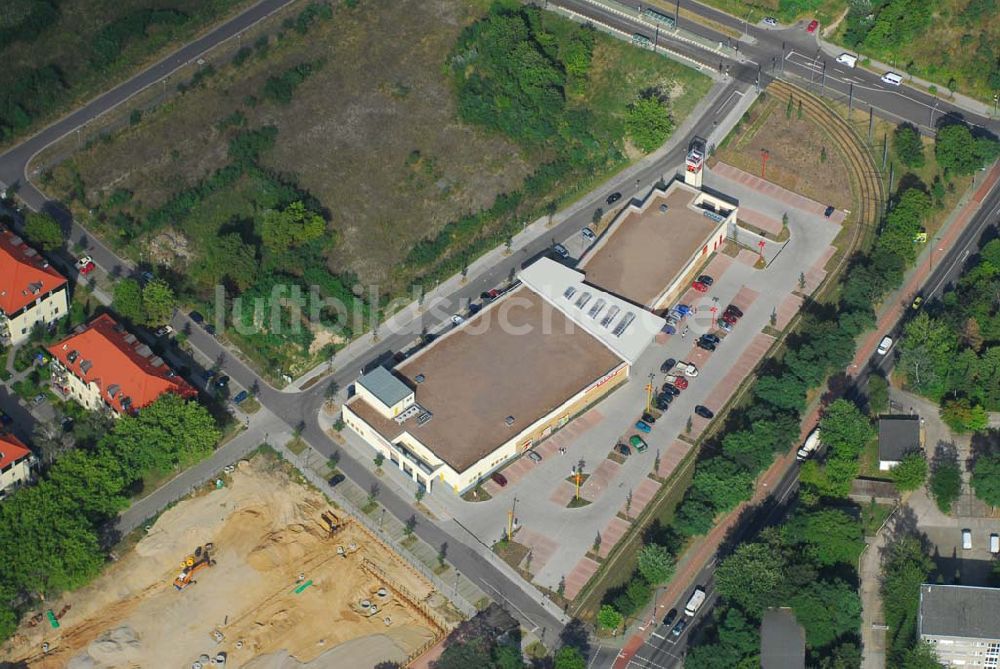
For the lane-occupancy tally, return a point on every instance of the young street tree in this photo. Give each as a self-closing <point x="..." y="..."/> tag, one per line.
<point x="911" y="472"/>
<point x="43" y="231"/>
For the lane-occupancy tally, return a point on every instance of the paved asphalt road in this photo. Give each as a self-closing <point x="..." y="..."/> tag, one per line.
<point x="803" y="62"/>
<point x="299" y="410"/>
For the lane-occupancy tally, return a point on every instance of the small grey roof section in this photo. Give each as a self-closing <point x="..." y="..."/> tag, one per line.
<point x="959" y="611"/>
<point x="782" y="641"/>
<point x="897" y="436"/>
<point x="381" y="383"/>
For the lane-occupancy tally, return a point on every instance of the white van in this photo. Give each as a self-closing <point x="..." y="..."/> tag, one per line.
<point x="967" y="540"/>
<point x="847" y="59"/>
<point x="892" y="79"/>
<point x="995" y="543"/>
<point x="884" y="345"/>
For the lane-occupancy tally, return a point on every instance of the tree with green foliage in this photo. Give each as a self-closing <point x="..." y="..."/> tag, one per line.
<point x="787" y="392"/>
<point x="926" y="350"/>
<point x="506" y="656"/>
<point x="693" y="517"/>
<point x="905" y="568"/>
<point x="158" y="302"/>
<point x="958" y="152"/>
<point x="648" y="121"/>
<point x="229" y="259"/>
<point x="902" y="224"/>
<point x="908" y="146"/>
<point x="845" y="429"/>
<point x="986" y="478"/>
<point x="878" y="395"/>
<point x="169" y="432"/>
<point x="827" y="610"/>
<point x="291" y="227"/>
<point x="830" y="535"/>
<point x="126" y="300"/>
<point x="963" y="416"/>
<point x="722" y="483"/>
<point x="655" y="563"/>
<point x="43" y="231"/>
<point x="737" y="646"/>
<point x="921" y="656"/>
<point x="946" y="485"/>
<point x="911" y="472"/>
<point x="473" y="652"/>
<point x="609" y="618"/>
<point x="569" y="657"/>
<point x="749" y="577"/>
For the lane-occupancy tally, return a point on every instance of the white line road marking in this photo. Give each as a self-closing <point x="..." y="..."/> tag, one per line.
<point x="658" y="636"/>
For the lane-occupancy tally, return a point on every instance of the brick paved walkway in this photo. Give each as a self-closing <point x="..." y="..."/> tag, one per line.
<point x="579" y="576"/>
<point x="775" y="192"/>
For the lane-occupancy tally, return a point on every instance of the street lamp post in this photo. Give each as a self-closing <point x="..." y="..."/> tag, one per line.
<point x="746" y="24"/>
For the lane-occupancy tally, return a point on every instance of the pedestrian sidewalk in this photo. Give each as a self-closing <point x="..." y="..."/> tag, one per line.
<point x="880" y="68"/>
<point x="896" y="303"/>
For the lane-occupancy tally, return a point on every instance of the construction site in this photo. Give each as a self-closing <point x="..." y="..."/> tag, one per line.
<point x="261" y="572"/>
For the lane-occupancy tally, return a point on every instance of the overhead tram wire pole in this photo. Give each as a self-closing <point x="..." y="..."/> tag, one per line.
<point x="677" y="15"/>
<point x="822" y="86"/>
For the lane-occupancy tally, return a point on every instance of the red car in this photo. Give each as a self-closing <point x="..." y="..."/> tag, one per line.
<point x="811" y="28"/>
<point x="729" y="318"/>
<point x="700" y="287"/>
<point x="681" y="382"/>
<point x="85" y="265"/>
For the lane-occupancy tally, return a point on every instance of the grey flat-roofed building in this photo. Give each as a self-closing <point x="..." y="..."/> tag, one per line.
<point x="782" y="641"/>
<point x="897" y="436"/>
<point x="385" y="386"/>
<point x="962" y="623"/>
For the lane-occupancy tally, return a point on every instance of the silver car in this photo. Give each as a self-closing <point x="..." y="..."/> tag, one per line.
<point x="534" y="457"/>
<point x="770" y="21"/>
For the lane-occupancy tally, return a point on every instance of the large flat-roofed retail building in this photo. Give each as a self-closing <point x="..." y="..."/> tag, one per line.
<point x="653" y="248"/>
<point x="493" y="387"/>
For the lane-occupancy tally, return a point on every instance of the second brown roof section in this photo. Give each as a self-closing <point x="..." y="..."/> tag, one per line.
<point x="646" y="247"/>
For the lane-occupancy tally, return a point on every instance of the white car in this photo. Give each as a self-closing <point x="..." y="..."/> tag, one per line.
<point x="892" y="79"/>
<point x="457" y="320"/>
<point x="588" y="234"/>
<point x="770" y="21"/>
<point x="689" y="369"/>
<point x="850" y="60"/>
<point x="884" y="345"/>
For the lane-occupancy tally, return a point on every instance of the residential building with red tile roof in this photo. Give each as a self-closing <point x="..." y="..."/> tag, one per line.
<point x="105" y="365"/>
<point x="31" y="290"/>
<point x="16" y="464"/>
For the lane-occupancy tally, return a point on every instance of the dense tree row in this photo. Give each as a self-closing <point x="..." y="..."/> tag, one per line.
<point x="807" y="564"/>
<point x="951" y="352"/>
<point x="50" y="531"/>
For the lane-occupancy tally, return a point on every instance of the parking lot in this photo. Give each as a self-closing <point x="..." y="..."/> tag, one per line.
<point x="559" y="538"/>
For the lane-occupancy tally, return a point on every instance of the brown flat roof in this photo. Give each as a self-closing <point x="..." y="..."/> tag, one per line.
<point x="644" y="250"/>
<point x="478" y="375"/>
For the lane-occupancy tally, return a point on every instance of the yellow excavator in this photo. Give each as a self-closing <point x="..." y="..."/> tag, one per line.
<point x="200" y="559"/>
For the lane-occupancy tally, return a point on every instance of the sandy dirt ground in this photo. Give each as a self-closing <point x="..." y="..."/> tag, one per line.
<point x="271" y="535"/>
